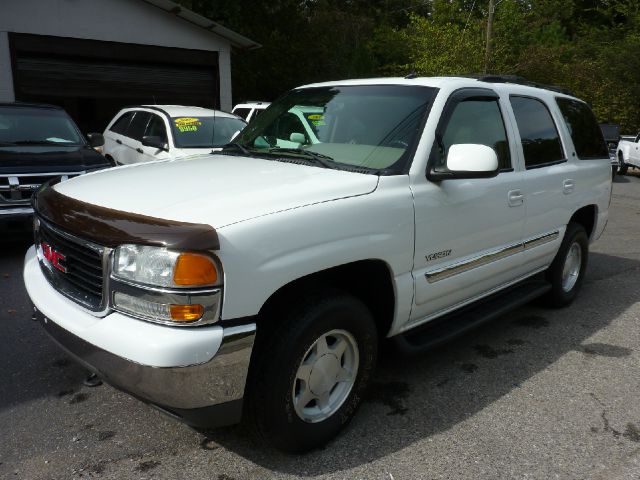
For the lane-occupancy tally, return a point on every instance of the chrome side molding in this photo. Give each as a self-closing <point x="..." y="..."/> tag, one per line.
<point x="490" y="257"/>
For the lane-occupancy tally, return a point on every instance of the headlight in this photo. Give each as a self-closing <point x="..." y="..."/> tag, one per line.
<point x="160" y="267"/>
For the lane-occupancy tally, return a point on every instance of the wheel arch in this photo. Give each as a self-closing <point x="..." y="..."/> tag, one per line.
<point x="369" y="280"/>
<point x="586" y="216"/>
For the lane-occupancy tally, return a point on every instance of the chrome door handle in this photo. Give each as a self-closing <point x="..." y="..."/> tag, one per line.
<point x="567" y="186"/>
<point x="515" y="198"/>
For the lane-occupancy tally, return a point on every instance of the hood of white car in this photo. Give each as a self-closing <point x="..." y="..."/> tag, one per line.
<point x="217" y="190"/>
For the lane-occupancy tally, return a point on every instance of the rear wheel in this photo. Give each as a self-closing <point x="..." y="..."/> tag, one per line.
<point x="567" y="271"/>
<point x="310" y="372"/>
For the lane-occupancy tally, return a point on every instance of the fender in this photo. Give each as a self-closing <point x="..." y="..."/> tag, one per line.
<point x="261" y="255"/>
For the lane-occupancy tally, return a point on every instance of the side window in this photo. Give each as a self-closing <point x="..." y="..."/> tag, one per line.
<point x="138" y="125"/>
<point x="242" y="112"/>
<point x="540" y="140"/>
<point x="287" y="124"/>
<point x="121" y="124"/>
<point x="156" y="128"/>
<point x="479" y="121"/>
<point x="586" y="134"/>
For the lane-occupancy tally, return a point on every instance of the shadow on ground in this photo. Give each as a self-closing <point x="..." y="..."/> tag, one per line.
<point x="413" y="398"/>
<point x="33" y="366"/>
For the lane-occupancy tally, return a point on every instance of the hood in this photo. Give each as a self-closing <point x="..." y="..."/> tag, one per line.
<point x="217" y="190"/>
<point x="48" y="158"/>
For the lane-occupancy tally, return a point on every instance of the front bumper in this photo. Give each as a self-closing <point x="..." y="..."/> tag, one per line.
<point x="197" y="374"/>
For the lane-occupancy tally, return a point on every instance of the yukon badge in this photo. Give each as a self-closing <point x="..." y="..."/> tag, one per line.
<point x="437" y="255"/>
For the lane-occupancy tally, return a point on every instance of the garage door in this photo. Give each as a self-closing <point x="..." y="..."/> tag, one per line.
<point x="105" y="76"/>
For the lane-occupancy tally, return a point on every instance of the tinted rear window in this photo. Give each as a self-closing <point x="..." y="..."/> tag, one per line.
<point x="121" y="124"/>
<point x="586" y="134"/>
<point x="540" y="140"/>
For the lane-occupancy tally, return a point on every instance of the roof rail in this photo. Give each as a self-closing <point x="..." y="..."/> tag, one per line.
<point x="518" y="80"/>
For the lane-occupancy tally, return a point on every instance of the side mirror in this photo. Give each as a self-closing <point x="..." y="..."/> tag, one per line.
<point x="467" y="160"/>
<point x="298" y="138"/>
<point x="95" y="139"/>
<point x="154" y="142"/>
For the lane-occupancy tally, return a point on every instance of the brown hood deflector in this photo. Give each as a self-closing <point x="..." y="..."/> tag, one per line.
<point x="111" y="228"/>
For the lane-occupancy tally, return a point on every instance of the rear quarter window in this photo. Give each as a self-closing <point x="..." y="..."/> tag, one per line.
<point x="584" y="129"/>
<point x="121" y="124"/>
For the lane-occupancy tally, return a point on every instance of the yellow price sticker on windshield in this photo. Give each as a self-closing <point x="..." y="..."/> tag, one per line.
<point x="315" y="116"/>
<point x="187" y="124"/>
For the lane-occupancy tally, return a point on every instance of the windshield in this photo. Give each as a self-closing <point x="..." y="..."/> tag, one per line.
<point x="352" y="127"/>
<point x="37" y="126"/>
<point x="205" y="132"/>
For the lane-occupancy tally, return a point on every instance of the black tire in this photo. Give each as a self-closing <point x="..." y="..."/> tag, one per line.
<point x="279" y="352"/>
<point x="622" y="167"/>
<point x="559" y="296"/>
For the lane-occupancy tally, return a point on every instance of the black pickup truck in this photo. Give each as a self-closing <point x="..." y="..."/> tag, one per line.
<point x="38" y="143"/>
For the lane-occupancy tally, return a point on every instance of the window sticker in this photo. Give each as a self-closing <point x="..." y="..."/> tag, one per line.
<point x="316" y="119"/>
<point x="187" y="124"/>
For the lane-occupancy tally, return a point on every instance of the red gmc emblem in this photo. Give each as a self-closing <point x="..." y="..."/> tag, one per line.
<point x="53" y="257"/>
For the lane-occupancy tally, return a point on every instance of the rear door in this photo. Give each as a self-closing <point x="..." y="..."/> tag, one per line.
<point x="114" y="137"/>
<point x="132" y="141"/>
<point x="549" y="179"/>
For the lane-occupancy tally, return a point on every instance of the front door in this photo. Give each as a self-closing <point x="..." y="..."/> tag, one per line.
<point x="468" y="231"/>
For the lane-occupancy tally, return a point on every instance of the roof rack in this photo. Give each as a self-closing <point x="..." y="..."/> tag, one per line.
<point x="518" y="80"/>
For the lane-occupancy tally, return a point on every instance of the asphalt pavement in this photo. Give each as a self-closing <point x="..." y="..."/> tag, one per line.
<point x="536" y="394"/>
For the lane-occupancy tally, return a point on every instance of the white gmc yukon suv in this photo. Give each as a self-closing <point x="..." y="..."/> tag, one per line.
<point x="259" y="281"/>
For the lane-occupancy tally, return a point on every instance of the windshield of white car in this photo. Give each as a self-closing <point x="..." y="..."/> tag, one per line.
<point x="205" y="132"/>
<point x="369" y="128"/>
<point x="37" y="126"/>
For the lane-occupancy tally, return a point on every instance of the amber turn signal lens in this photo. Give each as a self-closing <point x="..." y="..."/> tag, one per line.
<point x="193" y="269"/>
<point x="186" y="313"/>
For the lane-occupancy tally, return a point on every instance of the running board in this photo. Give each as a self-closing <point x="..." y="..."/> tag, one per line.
<point x="441" y="330"/>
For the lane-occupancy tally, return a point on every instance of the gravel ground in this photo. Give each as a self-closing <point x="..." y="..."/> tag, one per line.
<point x="536" y="394"/>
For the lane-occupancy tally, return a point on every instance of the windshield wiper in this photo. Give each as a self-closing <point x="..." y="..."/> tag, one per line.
<point x="236" y="146"/>
<point x="317" y="158"/>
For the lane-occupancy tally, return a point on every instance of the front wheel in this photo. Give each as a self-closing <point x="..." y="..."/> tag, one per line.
<point x="567" y="271"/>
<point x="310" y="372"/>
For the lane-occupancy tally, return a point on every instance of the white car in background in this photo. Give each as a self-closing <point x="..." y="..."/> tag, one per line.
<point x="159" y="132"/>
<point x="250" y="110"/>
<point x="628" y="153"/>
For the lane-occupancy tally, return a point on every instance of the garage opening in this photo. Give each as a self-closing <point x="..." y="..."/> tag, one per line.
<point x="92" y="79"/>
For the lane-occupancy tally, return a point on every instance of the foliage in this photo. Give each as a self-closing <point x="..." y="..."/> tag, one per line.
<point x="588" y="46"/>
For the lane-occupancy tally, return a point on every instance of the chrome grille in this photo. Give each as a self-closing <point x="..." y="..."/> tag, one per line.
<point x="83" y="280"/>
<point x="19" y="188"/>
